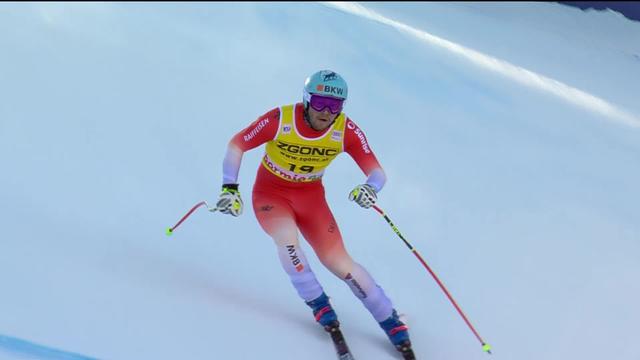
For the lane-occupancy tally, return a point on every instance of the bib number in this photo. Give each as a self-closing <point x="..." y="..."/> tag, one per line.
<point x="304" y="168"/>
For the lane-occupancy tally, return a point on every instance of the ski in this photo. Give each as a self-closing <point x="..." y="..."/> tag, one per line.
<point x="342" y="349"/>
<point x="405" y="348"/>
<point x="406" y="351"/>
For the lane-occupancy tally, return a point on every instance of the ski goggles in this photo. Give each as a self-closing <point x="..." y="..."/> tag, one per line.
<point x="319" y="103"/>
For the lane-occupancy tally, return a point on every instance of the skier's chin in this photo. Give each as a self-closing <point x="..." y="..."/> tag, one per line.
<point x="321" y="124"/>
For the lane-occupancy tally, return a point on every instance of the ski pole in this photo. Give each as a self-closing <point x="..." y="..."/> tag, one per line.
<point x="194" y="208"/>
<point x="486" y="347"/>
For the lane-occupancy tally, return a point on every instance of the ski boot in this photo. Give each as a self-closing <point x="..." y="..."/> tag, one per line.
<point x="398" y="333"/>
<point x="326" y="317"/>
<point x="323" y="312"/>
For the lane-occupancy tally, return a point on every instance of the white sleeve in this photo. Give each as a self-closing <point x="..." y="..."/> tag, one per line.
<point x="377" y="178"/>
<point x="231" y="164"/>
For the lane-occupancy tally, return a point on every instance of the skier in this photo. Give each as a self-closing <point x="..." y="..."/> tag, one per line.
<point x="302" y="139"/>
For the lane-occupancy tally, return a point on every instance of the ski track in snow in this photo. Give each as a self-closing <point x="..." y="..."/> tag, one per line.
<point x="526" y="77"/>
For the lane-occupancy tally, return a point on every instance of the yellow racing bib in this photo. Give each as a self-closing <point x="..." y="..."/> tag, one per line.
<point x="296" y="158"/>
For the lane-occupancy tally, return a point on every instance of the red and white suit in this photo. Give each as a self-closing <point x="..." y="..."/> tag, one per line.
<point x="288" y="196"/>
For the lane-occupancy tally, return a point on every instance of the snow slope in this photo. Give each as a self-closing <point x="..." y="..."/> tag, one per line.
<point x="114" y="119"/>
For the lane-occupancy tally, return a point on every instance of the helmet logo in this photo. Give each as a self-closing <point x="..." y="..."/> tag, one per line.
<point x="330" y="76"/>
<point x="320" y="87"/>
<point x="333" y="90"/>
